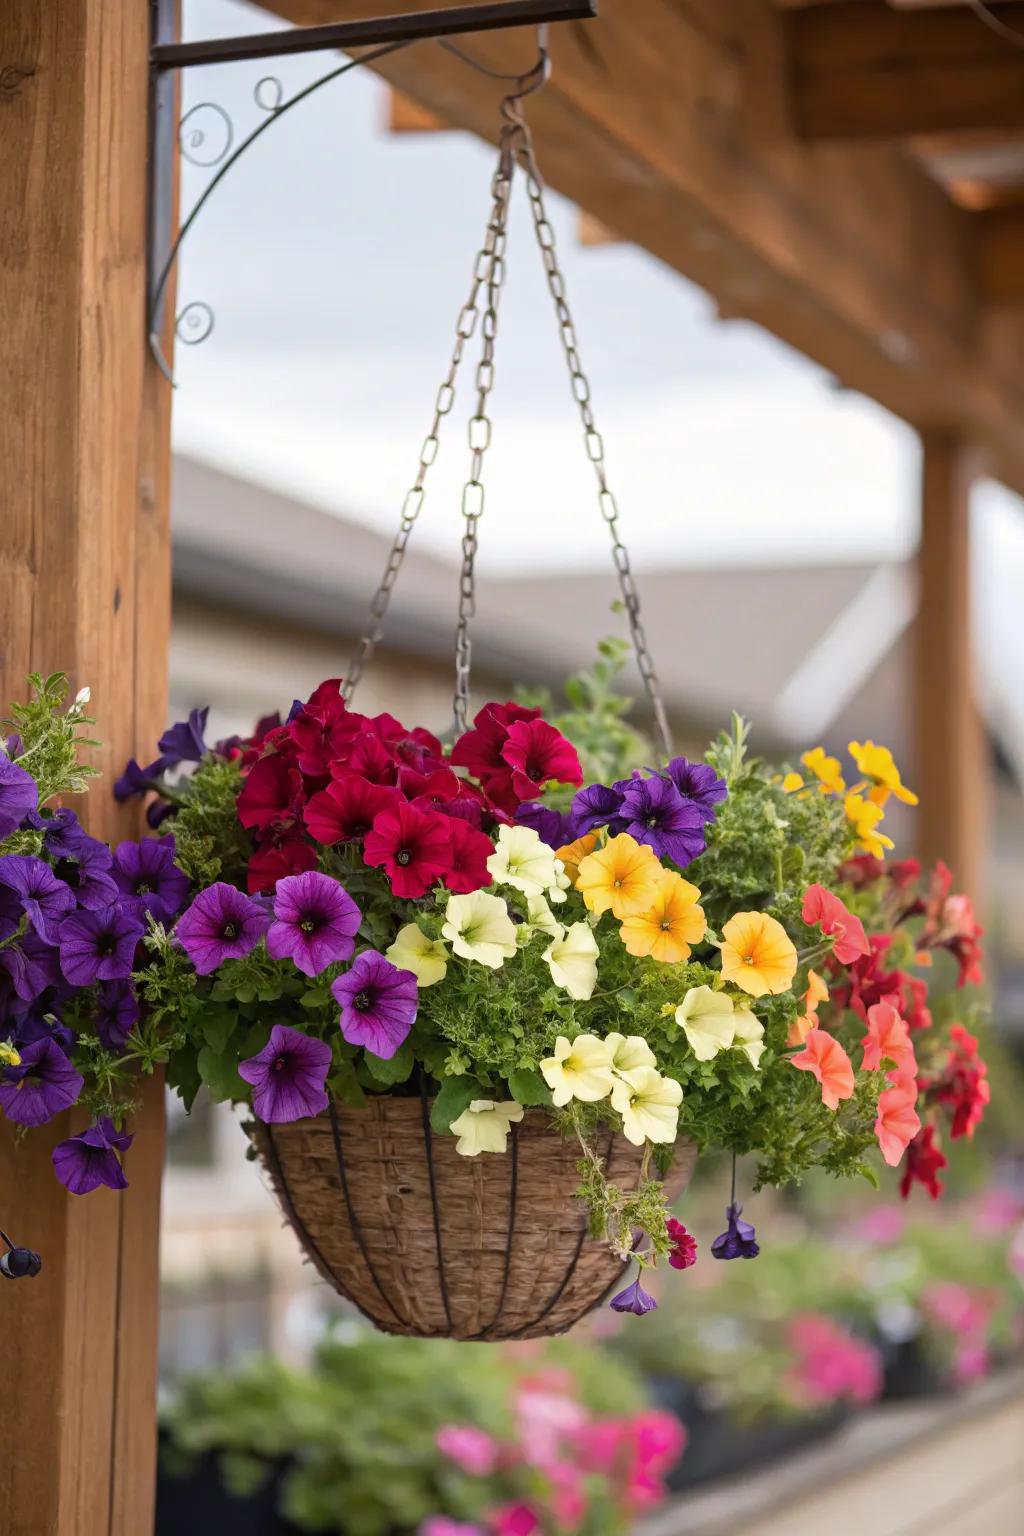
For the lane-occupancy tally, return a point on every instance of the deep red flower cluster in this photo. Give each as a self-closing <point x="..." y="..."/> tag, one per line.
<point x="962" y="1087"/>
<point x="925" y="1160"/>
<point x="867" y="981"/>
<point x="328" y="775"/>
<point x="950" y="924"/>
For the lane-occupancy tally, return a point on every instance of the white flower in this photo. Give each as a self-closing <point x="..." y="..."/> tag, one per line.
<point x="479" y="928"/>
<point x="582" y="1070"/>
<point x="707" y="1020"/>
<point x="523" y="861"/>
<point x="539" y="919"/>
<point x="484" y="1126"/>
<point x="572" y="961"/>
<point x="749" y="1034"/>
<point x="83" y="696"/>
<point x="630" y="1052"/>
<point x="562" y="883"/>
<point x="413" y="951"/>
<point x="648" y="1104"/>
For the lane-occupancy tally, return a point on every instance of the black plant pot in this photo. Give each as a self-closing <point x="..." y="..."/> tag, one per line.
<point x="718" y="1447"/>
<point x="198" y="1504"/>
<point x="910" y="1371"/>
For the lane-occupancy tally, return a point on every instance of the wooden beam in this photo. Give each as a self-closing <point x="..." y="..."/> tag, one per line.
<point x="669" y="123"/>
<point x="999" y="237"/>
<point x="863" y="70"/>
<point x="407" y="116"/>
<point x="84" y="586"/>
<point x="950" y="759"/>
<point x="591" y="232"/>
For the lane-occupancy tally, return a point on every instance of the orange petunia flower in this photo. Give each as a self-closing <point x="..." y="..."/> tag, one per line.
<point x="668" y="928"/>
<point x="887" y="1039"/>
<point x="757" y="953"/>
<point x="898" y="1122"/>
<point x="825" y="1057"/>
<point x="624" y="876"/>
<point x="572" y="854"/>
<point x="816" y="993"/>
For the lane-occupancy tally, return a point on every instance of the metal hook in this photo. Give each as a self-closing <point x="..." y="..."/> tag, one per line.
<point x="534" y="79"/>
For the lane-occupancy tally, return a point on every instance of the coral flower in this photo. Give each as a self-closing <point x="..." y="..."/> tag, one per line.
<point x="822" y="909"/>
<point x="757" y="954"/>
<point x="865" y="816"/>
<point x="572" y="854"/>
<point x="414" y="847"/>
<point x="825" y="1057"/>
<point x="623" y="875"/>
<point x="817" y="992"/>
<point x="898" y="1122"/>
<point x="668" y="928"/>
<point x="887" y="1039"/>
<point x="876" y="765"/>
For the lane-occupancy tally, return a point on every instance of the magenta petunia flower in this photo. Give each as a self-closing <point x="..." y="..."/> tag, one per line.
<point x="288" y="1076"/>
<point x="684" y="1245"/>
<point x="84" y="1162"/>
<point x="271" y="795"/>
<point x="221" y="924"/>
<point x="43" y="898"/>
<point x="378" y="1004"/>
<point x="414" y="847"/>
<point x="315" y="922"/>
<point x="99" y="946"/>
<point x="18" y="795"/>
<point x="148" y="878"/>
<point x="41" y="1086"/>
<point x="345" y="810"/>
<point x="467" y="870"/>
<point x="537" y="753"/>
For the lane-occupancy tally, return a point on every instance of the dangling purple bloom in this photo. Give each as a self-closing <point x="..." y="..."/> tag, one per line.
<point x="157" y="813"/>
<point x="41" y="1023"/>
<point x="62" y="831"/>
<point x="596" y="806"/>
<point x="43" y="898"/>
<point x="654" y="812"/>
<point x="738" y="1241"/>
<point x="18" y="795"/>
<point x="137" y="781"/>
<point x="42" y="1085"/>
<point x="148" y="878"/>
<point x="315" y="922"/>
<point x="552" y="827"/>
<point x="87" y="871"/>
<point x="99" y="946"/>
<point x="378" y="1004"/>
<point x="221" y="924"/>
<point x="634" y="1299"/>
<point x="117" y="1013"/>
<point x="11" y="912"/>
<point x="32" y="965"/>
<point x="288" y="1076"/>
<point x="184" y="743"/>
<point x="698" y="782"/>
<point x="84" y="1162"/>
<point x="15" y="745"/>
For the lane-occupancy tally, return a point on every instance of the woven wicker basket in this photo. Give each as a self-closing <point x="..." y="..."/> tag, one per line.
<point x="427" y="1242"/>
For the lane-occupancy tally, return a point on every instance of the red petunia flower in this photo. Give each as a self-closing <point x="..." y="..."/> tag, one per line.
<point x="346" y="809"/>
<point x="925" y="1161"/>
<point x="470" y="851"/>
<point x="414" y="847"/>
<point x="962" y="1086"/>
<point x="537" y="753"/>
<point x="684" y="1245"/>
<point x="370" y="758"/>
<point x="274" y="861"/>
<point x="950" y="924"/>
<point x="438" y="787"/>
<point x="866" y="982"/>
<point x="825" y="910"/>
<point x="479" y="750"/>
<point x="915" y="997"/>
<point x="271" y="795"/>
<point x="324" y="729"/>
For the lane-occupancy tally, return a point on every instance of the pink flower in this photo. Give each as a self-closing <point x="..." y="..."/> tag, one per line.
<point x="470" y="1448"/>
<point x="684" y="1245"/>
<point x="544" y="1420"/>
<point x="825" y="1057"/>
<point x="440" y="1525"/>
<point x="825" y="910"/>
<point x="971" y="1362"/>
<point x="513" y="1520"/>
<point x="887" y="1039"/>
<point x="897" y="1124"/>
<point x="831" y="1363"/>
<point x="537" y="753"/>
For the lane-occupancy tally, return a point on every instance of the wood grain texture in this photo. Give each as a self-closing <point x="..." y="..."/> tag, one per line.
<point x="84" y="587"/>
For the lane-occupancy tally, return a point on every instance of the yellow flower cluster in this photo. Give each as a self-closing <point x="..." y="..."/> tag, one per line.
<point x="864" y="801"/>
<point x="657" y="909"/>
<point x="622" y="1067"/>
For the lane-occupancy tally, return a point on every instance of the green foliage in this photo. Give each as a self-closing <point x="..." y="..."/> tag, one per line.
<point x="51" y="736"/>
<point x="211" y="842"/>
<point x="594" y="716"/>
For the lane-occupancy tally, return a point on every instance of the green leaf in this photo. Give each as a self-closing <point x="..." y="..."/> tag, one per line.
<point x="183" y="1075"/>
<point x="218" y="1028"/>
<point x="396" y="1069"/>
<point x="220" y="1074"/>
<point x="456" y="1094"/>
<point x="529" y="1088"/>
<point x="345" y="1086"/>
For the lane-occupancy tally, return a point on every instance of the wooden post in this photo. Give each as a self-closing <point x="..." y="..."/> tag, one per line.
<point x="951" y="762"/>
<point x="84" y="587"/>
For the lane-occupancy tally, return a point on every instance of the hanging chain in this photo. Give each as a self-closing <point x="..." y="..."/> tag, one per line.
<point x="592" y="438"/>
<point x="464" y="329"/>
<point x="480" y="425"/>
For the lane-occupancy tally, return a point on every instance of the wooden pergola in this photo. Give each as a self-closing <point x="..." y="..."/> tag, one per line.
<point x="849" y="174"/>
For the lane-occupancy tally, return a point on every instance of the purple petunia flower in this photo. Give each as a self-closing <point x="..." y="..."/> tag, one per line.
<point x="148" y="878"/>
<point x="288" y="1076"/>
<point x="42" y="1085"/>
<point x="84" y="1162"/>
<point x="31" y="964"/>
<point x="99" y="946"/>
<point x="378" y="1004"/>
<point x="117" y="1013"/>
<point x="62" y="831"/>
<point x="221" y="924"/>
<point x="654" y="812"/>
<point x="184" y="743"/>
<point x="87" y="871"/>
<point x="556" y="828"/>
<point x="136" y="780"/>
<point x="43" y="898"/>
<point x="738" y="1241"/>
<point x="698" y="782"/>
<point x="596" y="806"/>
<point x="634" y="1299"/>
<point x="315" y="922"/>
<point x="41" y="1023"/>
<point x="18" y="795"/>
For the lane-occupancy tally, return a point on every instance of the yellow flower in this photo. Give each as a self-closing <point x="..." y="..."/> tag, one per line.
<point x="749" y="1034"/>
<point x="707" y="1020"/>
<point x="877" y="766"/>
<point x="670" y="925"/>
<point x="582" y="1070"/>
<point x="478" y="927"/>
<point x="523" y="861"/>
<point x="9" y="1057"/>
<point x="539" y="919"/>
<point x="623" y="875"/>
<point x="484" y="1126"/>
<point x="865" y="816"/>
<point x="757" y="953"/>
<point x="572" y="961"/>
<point x="573" y="853"/>
<point x="629" y="1052"/>
<point x="825" y="769"/>
<point x="413" y="951"/>
<point x="792" y="782"/>
<point x="648" y="1104"/>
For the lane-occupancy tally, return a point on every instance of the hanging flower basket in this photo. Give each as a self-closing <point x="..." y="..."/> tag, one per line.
<point x="427" y="1242"/>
